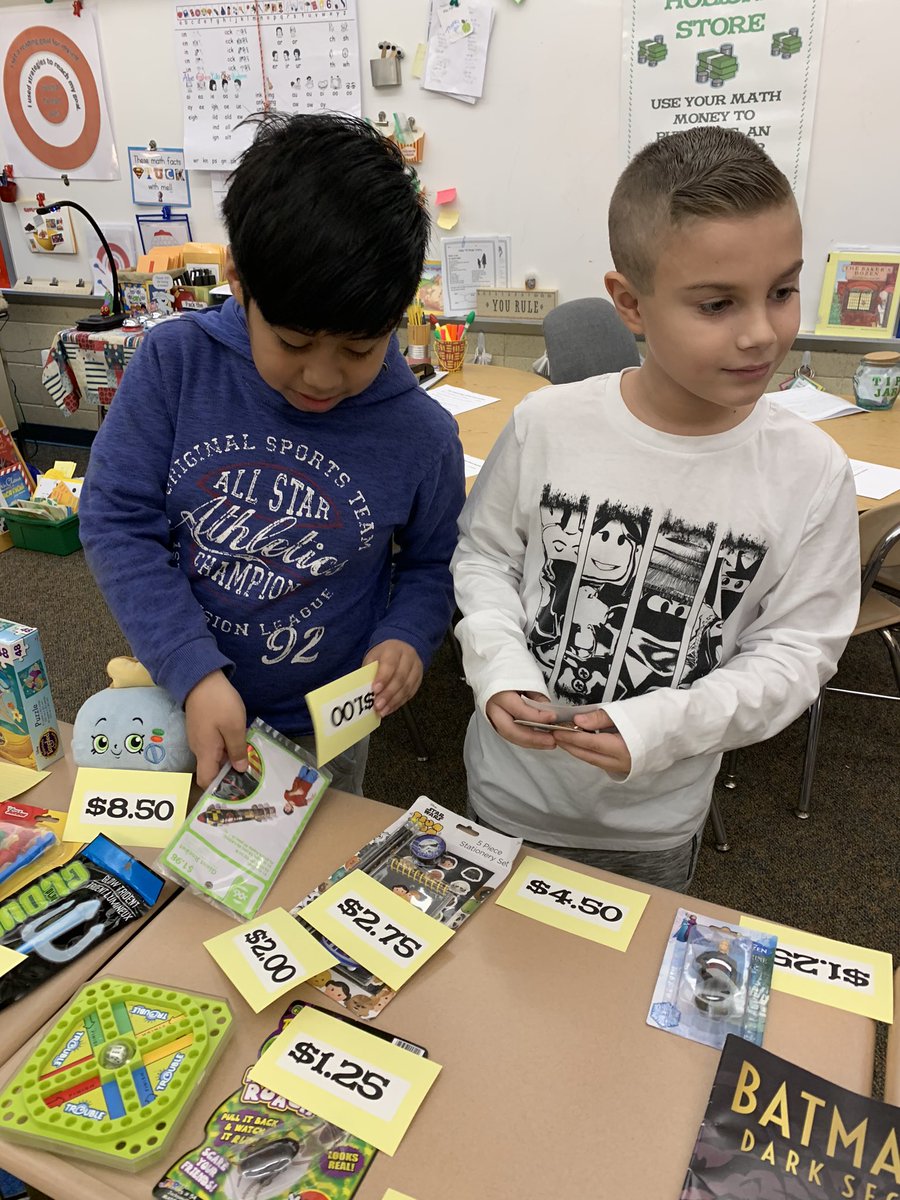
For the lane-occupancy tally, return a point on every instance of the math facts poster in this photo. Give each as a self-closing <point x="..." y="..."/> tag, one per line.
<point x="752" y="66"/>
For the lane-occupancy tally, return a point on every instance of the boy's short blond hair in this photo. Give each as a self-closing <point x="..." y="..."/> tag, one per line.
<point x="707" y="172"/>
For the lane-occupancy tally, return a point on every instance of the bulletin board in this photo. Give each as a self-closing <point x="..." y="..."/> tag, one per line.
<point x="537" y="157"/>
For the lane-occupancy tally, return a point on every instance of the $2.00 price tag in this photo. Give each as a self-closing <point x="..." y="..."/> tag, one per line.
<point x="829" y="972"/>
<point x="134" y="808"/>
<point x="580" y="904"/>
<point x="343" y="712"/>
<point x="387" y="935"/>
<point x="357" y="1081"/>
<point x="268" y="956"/>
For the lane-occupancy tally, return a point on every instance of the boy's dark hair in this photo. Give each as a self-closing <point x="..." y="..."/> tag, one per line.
<point x="706" y="172"/>
<point x="328" y="228"/>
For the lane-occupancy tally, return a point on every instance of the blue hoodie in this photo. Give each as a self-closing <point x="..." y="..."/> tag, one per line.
<point x="228" y="530"/>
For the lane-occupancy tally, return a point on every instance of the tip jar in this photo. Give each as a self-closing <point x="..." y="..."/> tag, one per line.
<point x="877" y="379"/>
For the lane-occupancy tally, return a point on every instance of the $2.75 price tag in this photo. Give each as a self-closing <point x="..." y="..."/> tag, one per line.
<point x="268" y="956"/>
<point x="580" y="904"/>
<point x="134" y="808"/>
<point x="344" y="1075"/>
<point x="343" y="712"/>
<point x="387" y="935"/>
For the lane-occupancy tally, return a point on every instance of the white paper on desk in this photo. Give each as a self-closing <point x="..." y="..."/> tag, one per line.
<point x="873" y="481"/>
<point x="809" y="402"/>
<point x="457" y="400"/>
<point x="473" y="465"/>
<point x="457" y="67"/>
<point x="468" y="263"/>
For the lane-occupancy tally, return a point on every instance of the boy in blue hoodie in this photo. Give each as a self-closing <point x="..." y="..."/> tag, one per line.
<point x="272" y="500"/>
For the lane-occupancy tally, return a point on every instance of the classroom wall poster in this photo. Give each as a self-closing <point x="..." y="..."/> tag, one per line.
<point x="159" y="176"/>
<point x="122" y="244"/>
<point x="55" y="119"/>
<point x="296" y="56"/>
<point x="49" y="234"/>
<point x="754" y="69"/>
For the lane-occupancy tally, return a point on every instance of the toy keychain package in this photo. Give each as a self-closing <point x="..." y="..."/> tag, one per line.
<point x="260" y="1146"/>
<point x="434" y="859"/>
<point x="67" y="910"/>
<point x="714" y="980"/>
<point x="231" y="848"/>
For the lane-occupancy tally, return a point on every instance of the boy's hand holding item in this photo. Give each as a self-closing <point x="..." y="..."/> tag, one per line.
<point x="601" y="745"/>
<point x="504" y="709"/>
<point x="399" y="674"/>
<point x="216" y="727"/>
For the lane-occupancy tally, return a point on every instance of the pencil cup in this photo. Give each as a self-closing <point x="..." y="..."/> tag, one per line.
<point x="418" y="343"/>
<point x="385" y="72"/>
<point x="451" y="356"/>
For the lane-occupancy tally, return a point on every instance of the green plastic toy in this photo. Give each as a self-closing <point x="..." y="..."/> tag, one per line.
<point x="115" y="1074"/>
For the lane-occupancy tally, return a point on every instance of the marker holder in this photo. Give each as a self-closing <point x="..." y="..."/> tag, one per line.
<point x="451" y="356"/>
<point x="419" y="339"/>
<point x="385" y="72"/>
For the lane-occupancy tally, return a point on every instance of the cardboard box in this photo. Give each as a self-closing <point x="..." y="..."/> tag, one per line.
<point x="29" y="730"/>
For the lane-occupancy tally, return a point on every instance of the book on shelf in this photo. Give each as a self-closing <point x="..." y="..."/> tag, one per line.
<point x="774" y="1131"/>
<point x="860" y="294"/>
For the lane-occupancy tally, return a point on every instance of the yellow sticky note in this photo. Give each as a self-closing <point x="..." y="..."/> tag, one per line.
<point x="578" y="903"/>
<point x="16" y="780"/>
<point x="830" y="972"/>
<point x="382" y="930"/>
<point x="355" y="1080"/>
<point x="9" y="959"/>
<point x="391" y="1194"/>
<point x="62" y="469"/>
<point x="343" y="712"/>
<point x="134" y="808"/>
<point x="448" y="218"/>
<point x="418" y="62"/>
<point x="268" y="956"/>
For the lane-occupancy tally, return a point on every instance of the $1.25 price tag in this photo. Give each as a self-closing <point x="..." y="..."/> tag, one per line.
<point x="357" y="1081"/>
<point x="268" y="956"/>
<point x="134" y="808"/>
<point x="580" y="904"/>
<point x="343" y="712"/>
<point x="830" y="972"/>
<point x="387" y="935"/>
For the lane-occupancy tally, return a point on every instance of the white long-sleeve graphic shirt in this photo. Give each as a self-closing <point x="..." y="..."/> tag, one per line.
<point x="701" y="588"/>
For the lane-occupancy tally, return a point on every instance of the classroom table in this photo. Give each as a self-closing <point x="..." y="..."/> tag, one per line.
<point x="21" y="1019"/>
<point x="892" y="1073"/>
<point x="552" y="1082"/>
<point x="873" y="437"/>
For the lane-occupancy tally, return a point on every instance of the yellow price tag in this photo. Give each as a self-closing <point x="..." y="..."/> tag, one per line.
<point x="269" y="956"/>
<point x="343" y="712"/>
<point x="829" y="972"/>
<point x="391" y="1194"/>
<point x="15" y="780"/>
<point x="9" y="959"/>
<point x="134" y="808"/>
<point x="388" y="935"/>
<point x="578" y="903"/>
<point x="344" y="1075"/>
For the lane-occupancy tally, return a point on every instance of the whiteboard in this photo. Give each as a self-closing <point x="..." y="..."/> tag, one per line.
<point x="538" y="156"/>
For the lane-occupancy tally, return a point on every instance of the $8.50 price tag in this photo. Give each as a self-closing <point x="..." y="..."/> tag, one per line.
<point x="134" y="808"/>
<point x="268" y="956"/>
<point x="343" y="712"/>
<point x="580" y="904"/>
<point x="344" y="1075"/>
<point x="387" y="935"/>
<point x="830" y="972"/>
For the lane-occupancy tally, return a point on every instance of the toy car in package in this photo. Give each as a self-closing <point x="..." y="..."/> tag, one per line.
<point x="231" y="848"/>
<point x="434" y="859"/>
<point x="714" y="980"/>
<point x="260" y="1146"/>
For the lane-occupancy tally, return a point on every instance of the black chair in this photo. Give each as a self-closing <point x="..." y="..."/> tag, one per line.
<point x="586" y="337"/>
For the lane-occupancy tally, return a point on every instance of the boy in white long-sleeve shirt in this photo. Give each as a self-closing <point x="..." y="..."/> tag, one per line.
<point x="665" y="542"/>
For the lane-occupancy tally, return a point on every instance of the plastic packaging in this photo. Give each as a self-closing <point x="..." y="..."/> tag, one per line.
<point x="22" y="838"/>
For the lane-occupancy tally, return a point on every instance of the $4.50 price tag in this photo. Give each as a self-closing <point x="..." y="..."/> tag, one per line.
<point x="268" y="956"/>
<point x="134" y="808"/>
<point x="581" y="904"/>
<point x="387" y="935"/>
<point x="359" y="1082"/>
<point x="829" y="972"/>
<point x="343" y="712"/>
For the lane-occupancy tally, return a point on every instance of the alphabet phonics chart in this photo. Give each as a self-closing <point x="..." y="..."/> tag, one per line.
<point x="238" y="59"/>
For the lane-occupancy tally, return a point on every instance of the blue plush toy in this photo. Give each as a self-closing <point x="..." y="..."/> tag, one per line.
<point x="131" y="725"/>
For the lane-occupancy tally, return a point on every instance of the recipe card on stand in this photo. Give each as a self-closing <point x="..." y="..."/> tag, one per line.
<point x="353" y="1079"/>
<point x="343" y="712"/>
<point x="830" y="972"/>
<point x="387" y="935"/>
<point x="134" y="808"/>
<point x="577" y="903"/>
<point x="268" y="956"/>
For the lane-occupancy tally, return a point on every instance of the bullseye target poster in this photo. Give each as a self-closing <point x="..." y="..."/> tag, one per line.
<point x="54" y="119"/>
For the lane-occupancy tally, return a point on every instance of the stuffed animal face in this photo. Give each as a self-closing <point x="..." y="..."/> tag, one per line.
<point x="131" y="728"/>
